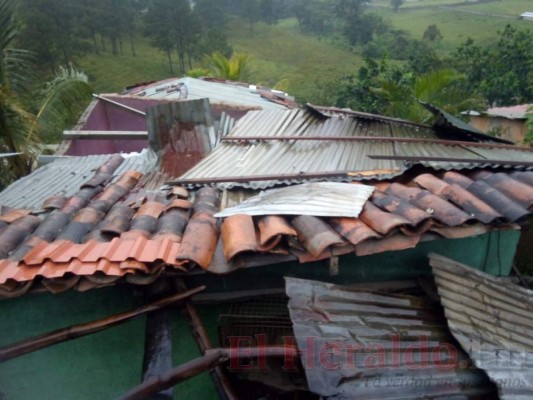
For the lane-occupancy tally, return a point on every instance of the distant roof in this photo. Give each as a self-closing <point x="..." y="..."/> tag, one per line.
<point x="64" y="177"/>
<point x="513" y="112"/>
<point x="266" y="148"/>
<point x="218" y="92"/>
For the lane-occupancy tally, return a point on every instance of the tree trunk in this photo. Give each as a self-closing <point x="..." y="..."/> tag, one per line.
<point x="170" y="62"/>
<point x="120" y="44"/>
<point x="95" y="43"/>
<point x="114" y="47"/>
<point x="132" y="44"/>
<point x="102" y="41"/>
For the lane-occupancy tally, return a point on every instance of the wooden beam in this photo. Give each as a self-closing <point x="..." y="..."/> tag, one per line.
<point x="210" y="360"/>
<point x="48" y="339"/>
<point x="218" y="376"/>
<point x="105" y="135"/>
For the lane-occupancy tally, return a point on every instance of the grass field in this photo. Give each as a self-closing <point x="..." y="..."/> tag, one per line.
<point x="283" y="52"/>
<point x="455" y="25"/>
<point x="277" y="52"/>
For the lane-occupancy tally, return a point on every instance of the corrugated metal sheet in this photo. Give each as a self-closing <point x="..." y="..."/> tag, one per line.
<point x="276" y="157"/>
<point x="217" y="93"/>
<point x="359" y="344"/>
<point x="282" y="157"/>
<point x="323" y="199"/>
<point x="492" y="320"/>
<point x="64" y="177"/>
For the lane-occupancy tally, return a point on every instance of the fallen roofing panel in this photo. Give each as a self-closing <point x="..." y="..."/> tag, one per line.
<point x="362" y="344"/>
<point x="323" y="199"/>
<point x="492" y="320"/>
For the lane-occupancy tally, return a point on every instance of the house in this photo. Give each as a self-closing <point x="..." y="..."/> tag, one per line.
<point x="505" y="122"/>
<point x="528" y="16"/>
<point x="115" y="122"/>
<point x="301" y="202"/>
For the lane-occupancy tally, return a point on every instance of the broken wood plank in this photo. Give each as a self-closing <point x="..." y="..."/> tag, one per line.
<point x="61" y="335"/>
<point x="210" y="360"/>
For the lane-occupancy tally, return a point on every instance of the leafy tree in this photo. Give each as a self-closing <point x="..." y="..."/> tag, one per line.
<point x="172" y="25"/>
<point x="432" y="33"/>
<point x="52" y="30"/>
<point x="314" y="16"/>
<point x="502" y="72"/>
<point x="354" y="91"/>
<point x="396" y="4"/>
<point x="26" y="113"/>
<point x="441" y="88"/>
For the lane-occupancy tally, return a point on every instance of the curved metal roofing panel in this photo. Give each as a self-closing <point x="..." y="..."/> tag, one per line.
<point x="491" y="319"/>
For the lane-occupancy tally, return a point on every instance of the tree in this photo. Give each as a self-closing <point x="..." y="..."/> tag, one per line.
<point x="441" y="88"/>
<point x="502" y="72"/>
<point x="51" y="30"/>
<point x="314" y="16"/>
<point x="27" y="113"/>
<point x="354" y="91"/>
<point x="233" y="68"/>
<point x="432" y="33"/>
<point x="396" y="4"/>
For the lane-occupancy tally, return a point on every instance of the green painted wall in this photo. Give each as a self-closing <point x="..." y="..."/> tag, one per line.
<point x="105" y="364"/>
<point x="492" y="252"/>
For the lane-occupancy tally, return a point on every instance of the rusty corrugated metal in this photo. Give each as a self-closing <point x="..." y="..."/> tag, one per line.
<point x="491" y="319"/>
<point x="284" y="157"/>
<point x="360" y="344"/>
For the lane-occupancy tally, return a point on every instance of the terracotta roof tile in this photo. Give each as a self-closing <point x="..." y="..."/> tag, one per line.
<point x="119" y="230"/>
<point x="238" y="235"/>
<point x="381" y="221"/>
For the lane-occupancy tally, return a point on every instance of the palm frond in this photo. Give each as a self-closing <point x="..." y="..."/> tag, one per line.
<point x="63" y="100"/>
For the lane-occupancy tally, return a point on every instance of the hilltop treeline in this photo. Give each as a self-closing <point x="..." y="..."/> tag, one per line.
<point x="59" y="31"/>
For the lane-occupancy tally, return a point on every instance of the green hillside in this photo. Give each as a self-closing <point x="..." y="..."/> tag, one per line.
<point x="282" y="52"/>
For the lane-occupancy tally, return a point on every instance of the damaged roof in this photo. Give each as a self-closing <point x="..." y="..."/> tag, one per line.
<point x="491" y="318"/>
<point x="218" y="92"/>
<point x="267" y="148"/>
<point x="358" y="343"/>
<point x="130" y="227"/>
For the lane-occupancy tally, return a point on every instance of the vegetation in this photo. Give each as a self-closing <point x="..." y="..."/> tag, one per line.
<point x="315" y="47"/>
<point x="29" y="111"/>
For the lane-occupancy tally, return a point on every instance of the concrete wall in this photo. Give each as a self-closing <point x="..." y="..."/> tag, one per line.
<point x="511" y="129"/>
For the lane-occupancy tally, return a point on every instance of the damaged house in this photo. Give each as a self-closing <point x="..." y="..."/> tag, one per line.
<point x="305" y="253"/>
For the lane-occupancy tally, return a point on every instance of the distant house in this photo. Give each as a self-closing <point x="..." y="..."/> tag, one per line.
<point x="528" y="16"/>
<point x="506" y="122"/>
